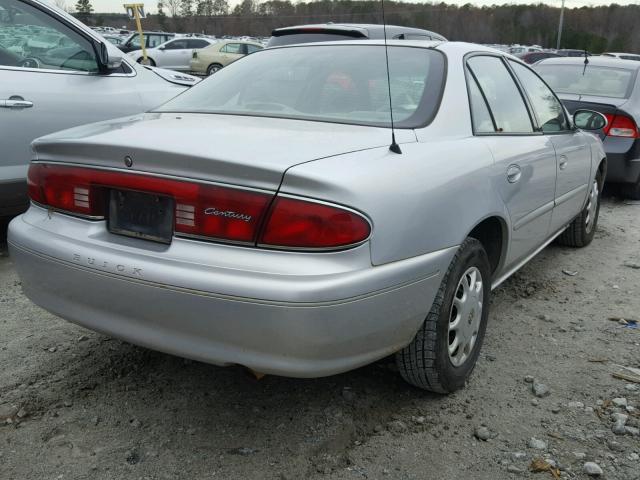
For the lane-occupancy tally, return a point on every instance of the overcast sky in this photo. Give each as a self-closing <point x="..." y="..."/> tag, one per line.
<point x="116" y="5"/>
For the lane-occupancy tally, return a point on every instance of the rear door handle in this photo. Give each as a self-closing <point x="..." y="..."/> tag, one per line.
<point x="514" y="172"/>
<point x="16" y="102"/>
<point x="563" y="162"/>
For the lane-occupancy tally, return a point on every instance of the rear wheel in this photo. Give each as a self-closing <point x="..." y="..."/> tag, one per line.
<point x="582" y="229"/>
<point x="213" y="68"/>
<point x="444" y="352"/>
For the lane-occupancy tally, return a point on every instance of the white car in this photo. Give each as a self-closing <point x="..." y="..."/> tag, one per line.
<point x="57" y="73"/>
<point x="174" y="54"/>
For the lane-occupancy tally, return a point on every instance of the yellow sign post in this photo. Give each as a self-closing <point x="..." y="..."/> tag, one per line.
<point x="135" y="11"/>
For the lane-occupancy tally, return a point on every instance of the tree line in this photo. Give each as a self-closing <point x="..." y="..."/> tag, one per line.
<point x="612" y="27"/>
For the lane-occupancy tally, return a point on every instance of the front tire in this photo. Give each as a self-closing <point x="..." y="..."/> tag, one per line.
<point x="444" y="352"/>
<point x="582" y="229"/>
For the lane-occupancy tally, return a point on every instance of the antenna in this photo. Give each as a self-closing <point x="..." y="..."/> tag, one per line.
<point x="586" y="62"/>
<point x="394" y="147"/>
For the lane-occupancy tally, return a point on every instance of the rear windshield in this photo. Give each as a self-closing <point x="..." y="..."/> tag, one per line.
<point x="597" y="81"/>
<point x="293" y="38"/>
<point x="332" y="83"/>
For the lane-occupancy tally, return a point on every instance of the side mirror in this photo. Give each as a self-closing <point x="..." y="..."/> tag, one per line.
<point x="589" y="120"/>
<point x="162" y="48"/>
<point x="105" y="60"/>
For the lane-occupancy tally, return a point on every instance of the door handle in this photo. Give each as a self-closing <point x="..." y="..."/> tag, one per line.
<point x="563" y="162"/>
<point x="16" y="102"/>
<point x="514" y="172"/>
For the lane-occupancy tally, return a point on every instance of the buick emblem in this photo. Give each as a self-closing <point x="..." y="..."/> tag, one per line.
<point x="128" y="161"/>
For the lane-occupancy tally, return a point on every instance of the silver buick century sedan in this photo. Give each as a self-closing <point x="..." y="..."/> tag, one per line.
<point x="262" y="219"/>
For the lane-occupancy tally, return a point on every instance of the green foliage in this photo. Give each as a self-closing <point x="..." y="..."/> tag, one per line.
<point x="84" y="7"/>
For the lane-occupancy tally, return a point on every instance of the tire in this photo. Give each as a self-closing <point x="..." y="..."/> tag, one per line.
<point x="150" y="61"/>
<point x="426" y="362"/>
<point x="213" y="68"/>
<point x="631" y="191"/>
<point x="581" y="230"/>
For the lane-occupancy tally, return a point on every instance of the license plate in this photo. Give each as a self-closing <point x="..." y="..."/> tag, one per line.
<point x="141" y="215"/>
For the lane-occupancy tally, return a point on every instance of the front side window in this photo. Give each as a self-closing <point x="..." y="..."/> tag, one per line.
<point x="197" y="44"/>
<point x="548" y="109"/>
<point x="333" y="83"/>
<point x="502" y="94"/>
<point x="176" y="45"/>
<point x="253" y="48"/>
<point x="581" y="79"/>
<point x="38" y="40"/>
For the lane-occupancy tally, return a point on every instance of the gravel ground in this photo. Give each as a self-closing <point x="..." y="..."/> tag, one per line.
<point x="75" y="404"/>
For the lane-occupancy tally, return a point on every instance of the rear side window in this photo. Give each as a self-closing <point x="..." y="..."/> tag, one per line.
<point x="154" y="40"/>
<point x="480" y="114"/>
<point x="502" y="94"/>
<point x="232" y="48"/>
<point x="253" y="48"/>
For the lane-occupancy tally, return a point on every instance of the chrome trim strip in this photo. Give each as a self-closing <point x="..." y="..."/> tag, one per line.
<point x="67" y="212"/>
<point x="72" y="72"/>
<point x="497" y="282"/>
<point x="531" y="216"/>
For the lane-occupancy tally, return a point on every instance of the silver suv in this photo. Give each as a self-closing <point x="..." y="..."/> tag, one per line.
<point x="57" y="73"/>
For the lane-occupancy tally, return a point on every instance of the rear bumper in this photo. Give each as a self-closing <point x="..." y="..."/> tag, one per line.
<point x="293" y="314"/>
<point x="623" y="160"/>
<point x="13" y="197"/>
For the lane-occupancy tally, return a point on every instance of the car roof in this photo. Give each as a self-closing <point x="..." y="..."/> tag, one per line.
<point x="594" y="60"/>
<point x="364" y="29"/>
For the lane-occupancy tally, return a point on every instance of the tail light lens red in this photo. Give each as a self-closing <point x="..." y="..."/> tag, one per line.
<point x="620" y="125"/>
<point x="204" y="210"/>
<point x="301" y="224"/>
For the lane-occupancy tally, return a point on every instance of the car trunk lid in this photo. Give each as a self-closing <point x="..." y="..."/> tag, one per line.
<point x="608" y="106"/>
<point x="248" y="151"/>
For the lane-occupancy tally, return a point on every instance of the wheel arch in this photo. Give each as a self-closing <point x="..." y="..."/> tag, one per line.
<point x="492" y="233"/>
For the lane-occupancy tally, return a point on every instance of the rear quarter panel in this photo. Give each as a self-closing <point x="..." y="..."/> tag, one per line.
<point x="426" y="199"/>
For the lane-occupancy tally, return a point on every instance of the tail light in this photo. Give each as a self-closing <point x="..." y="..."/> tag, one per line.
<point x="204" y="210"/>
<point x="620" y="125"/>
<point x="295" y="223"/>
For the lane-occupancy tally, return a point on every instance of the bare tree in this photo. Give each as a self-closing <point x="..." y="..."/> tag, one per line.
<point x="173" y="6"/>
<point x="61" y="4"/>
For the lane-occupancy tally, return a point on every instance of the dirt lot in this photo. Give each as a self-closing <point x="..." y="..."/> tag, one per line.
<point x="76" y="404"/>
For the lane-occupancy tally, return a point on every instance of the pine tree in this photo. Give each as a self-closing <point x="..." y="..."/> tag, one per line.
<point x="84" y="10"/>
<point x="84" y="7"/>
